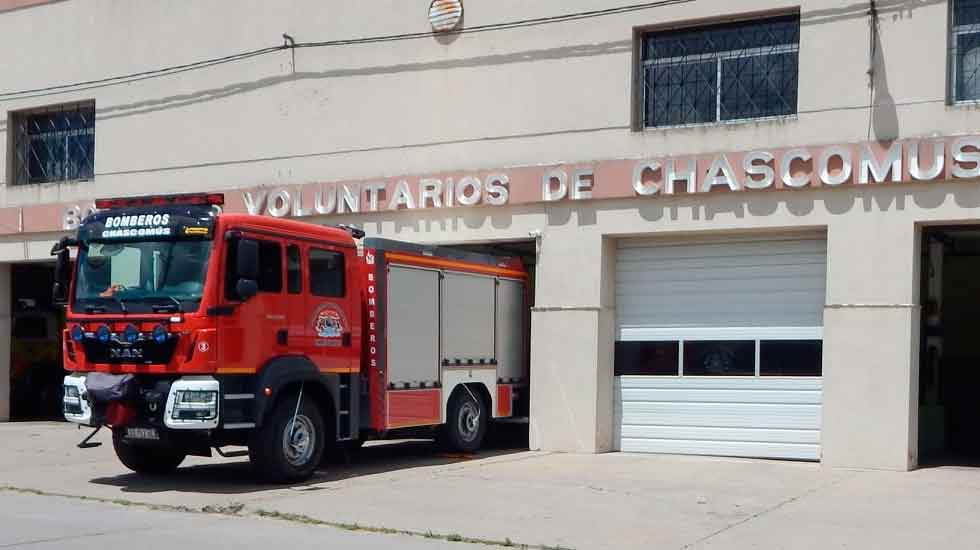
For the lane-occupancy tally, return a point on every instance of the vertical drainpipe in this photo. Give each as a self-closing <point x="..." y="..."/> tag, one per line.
<point x="872" y="53"/>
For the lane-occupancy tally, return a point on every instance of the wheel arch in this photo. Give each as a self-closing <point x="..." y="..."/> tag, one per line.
<point x="482" y="384"/>
<point x="284" y="376"/>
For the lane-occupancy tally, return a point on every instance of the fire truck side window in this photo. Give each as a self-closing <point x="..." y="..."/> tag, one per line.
<point x="270" y="267"/>
<point x="326" y="273"/>
<point x="294" y="278"/>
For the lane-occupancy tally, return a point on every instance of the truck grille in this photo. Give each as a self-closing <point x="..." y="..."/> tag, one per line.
<point x="144" y="352"/>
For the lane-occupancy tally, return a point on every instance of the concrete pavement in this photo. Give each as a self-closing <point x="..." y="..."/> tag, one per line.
<point x="577" y="501"/>
<point x="44" y="522"/>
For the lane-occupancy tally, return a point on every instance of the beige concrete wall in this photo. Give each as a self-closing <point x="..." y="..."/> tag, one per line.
<point x="531" y="96"/>
<point x="535" y="95"/>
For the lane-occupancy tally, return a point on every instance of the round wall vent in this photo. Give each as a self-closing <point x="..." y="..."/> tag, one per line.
<point x="445" y="15"/>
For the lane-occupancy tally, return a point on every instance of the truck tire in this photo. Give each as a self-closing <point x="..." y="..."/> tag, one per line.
<point x="466" y="421"/>
<point x="283" y="452"/>
<point x="151" y="460"/>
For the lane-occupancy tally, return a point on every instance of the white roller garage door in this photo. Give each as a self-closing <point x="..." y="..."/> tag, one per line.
<point x="719" y="345"/>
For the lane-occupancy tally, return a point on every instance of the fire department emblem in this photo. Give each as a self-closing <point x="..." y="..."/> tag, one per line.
<point x="328" y="322"/>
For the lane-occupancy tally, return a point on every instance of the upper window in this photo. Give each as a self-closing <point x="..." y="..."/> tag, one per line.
<point x="270" y="267"/>
<point x="294" y="277"/>
<point x="56" y="144"/>
<point x="326" y="273"/>
<point x="718" y="73"/>
<point x="966" y="50"/>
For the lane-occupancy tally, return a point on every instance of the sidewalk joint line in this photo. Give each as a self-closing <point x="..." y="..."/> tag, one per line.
<point x="767" y="511"/>
<point x="241" y="511"/>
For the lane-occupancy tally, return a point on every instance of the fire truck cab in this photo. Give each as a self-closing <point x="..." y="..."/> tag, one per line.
<point x="189" y="329"/>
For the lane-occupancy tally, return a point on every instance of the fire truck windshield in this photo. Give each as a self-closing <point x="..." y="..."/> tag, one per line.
<point x="141" y="277"/>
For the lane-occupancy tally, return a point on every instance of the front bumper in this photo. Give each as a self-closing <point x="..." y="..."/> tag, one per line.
<point x="179" y="412"/>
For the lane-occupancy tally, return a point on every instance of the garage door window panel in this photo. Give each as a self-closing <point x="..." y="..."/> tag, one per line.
<point x="719" y="358"/>
<point x="647" y="358"/>
<point x="791" y="358"/>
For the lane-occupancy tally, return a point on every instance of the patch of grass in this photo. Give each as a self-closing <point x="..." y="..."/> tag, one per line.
<point x="232" y="509"/>
<point x="428" y="534"/>
<point x="238" y="509"/>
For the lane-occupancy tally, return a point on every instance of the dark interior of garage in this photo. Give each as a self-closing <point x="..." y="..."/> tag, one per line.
<point x="949" y="369"/>
<point x="36" y="370"/>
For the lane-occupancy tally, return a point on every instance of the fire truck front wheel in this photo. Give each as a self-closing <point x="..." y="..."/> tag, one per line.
<point x="290" y="444"/>
<point x="153" y="460"/>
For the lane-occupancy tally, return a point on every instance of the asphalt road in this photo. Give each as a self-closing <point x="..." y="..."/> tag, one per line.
<point x="46" y="522"/>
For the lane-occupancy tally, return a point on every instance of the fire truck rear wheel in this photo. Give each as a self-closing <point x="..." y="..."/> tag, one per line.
<point x="152" y="460"/>
<point x="285" y="450"/>
<point x="466" y="421"/>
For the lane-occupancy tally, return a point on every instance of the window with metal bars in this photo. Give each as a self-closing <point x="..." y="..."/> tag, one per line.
<point x="55" y="144"/>
<point x="965" y="51"/>
<point x="725" y="72"/>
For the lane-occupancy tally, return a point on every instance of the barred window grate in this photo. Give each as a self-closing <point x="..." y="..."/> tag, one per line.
<point x="54" y="145"/>
<point x="720" y="73"/>
<point x="965" y="53"/>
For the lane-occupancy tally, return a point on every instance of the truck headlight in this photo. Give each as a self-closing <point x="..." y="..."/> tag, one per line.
<point x="72" y="400"/>
<point x="195" y="405"/>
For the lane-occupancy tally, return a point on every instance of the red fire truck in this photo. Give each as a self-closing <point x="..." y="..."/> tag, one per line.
<point x="189" y="329"/>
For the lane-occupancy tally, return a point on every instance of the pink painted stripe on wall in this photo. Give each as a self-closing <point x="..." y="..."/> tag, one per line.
<point x="7" y="5"/>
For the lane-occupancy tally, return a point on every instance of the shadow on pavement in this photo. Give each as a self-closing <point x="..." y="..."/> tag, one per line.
<point x="374" y="458"/>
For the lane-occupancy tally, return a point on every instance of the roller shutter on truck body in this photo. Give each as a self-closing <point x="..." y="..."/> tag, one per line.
<point x="438" y="319"/>
<point x="719" y="345"/>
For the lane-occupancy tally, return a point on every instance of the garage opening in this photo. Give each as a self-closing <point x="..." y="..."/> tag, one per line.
<point x="949" y="358"/>
<point x="36" y="370"/>
<point x="719" y="345"/>
<point x="514" y="432"/>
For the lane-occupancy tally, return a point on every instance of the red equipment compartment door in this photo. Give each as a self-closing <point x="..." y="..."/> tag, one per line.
<point x="255" y="330"/>
<point x="334" y="321"/>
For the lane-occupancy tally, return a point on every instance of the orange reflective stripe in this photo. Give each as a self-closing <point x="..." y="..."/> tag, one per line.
<point x="425" y="261"/>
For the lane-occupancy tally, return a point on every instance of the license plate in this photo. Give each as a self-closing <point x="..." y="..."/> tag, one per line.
<point x="142" y="433"/>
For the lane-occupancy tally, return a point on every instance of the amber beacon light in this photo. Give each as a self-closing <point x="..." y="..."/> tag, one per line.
<point x="445" y="15"/>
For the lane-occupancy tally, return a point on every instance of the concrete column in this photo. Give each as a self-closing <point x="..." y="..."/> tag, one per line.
<point x="6" y="296"/>
<point x="572" y="343"/>
<point x="871" y="325"/>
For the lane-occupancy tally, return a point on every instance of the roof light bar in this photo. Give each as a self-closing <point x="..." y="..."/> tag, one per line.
<point x="217" y="199"/>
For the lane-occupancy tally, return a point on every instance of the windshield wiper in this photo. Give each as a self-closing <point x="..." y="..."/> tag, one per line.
<point x="176" y="303"/>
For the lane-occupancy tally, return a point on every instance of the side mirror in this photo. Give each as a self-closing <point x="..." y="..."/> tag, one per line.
<point x="246" y="288"/>
<point x="59" y="294"/>
<point x="248" y="260"/>
<point x="62" y="271"/>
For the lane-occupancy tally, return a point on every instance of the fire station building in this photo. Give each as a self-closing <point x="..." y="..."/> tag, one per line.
<point x="752" y="233"/>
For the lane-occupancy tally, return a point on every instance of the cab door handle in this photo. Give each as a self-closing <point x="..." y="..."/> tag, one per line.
<point x="282" y="337"/>
<point x="345" y="339"/>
